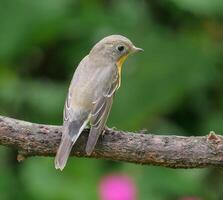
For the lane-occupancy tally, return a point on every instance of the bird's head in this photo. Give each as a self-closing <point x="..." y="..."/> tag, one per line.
<point x="115" y="48"/>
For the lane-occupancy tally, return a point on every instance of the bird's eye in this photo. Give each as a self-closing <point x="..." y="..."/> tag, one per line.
<point x="120" y="48"/>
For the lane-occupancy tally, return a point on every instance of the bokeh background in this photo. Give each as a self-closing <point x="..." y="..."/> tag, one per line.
<point x="174" y="87"/>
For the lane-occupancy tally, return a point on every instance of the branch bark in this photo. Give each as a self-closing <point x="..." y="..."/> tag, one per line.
<point x="172" y="151"/>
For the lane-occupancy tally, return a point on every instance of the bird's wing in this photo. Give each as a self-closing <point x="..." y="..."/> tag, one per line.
<point x="74" y="123"/>
<point x="99" y="114"/>
<point x="67" y="115"/>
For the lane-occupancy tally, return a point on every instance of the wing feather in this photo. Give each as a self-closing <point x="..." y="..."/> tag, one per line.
<point x="74" y="121"/>
<point x="67" y="107"/>
<point x="99" y="114"/>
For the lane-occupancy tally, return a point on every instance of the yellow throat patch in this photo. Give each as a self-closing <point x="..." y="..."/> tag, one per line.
<point x="119" y="66"/>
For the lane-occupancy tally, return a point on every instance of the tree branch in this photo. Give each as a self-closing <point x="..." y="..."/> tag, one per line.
<point x="169" y="151"/>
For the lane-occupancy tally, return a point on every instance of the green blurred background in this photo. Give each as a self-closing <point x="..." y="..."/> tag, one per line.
<point x="174" y="87"/>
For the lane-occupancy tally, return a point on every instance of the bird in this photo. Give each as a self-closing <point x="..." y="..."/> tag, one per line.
<point x="91" y="92"/>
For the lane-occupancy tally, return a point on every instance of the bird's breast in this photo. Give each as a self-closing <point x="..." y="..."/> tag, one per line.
<point x="119" y="66"/>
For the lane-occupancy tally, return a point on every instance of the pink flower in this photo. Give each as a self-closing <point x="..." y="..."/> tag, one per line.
<point x="117" y="187"/>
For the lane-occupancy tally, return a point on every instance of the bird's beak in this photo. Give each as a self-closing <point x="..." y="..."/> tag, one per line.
<point x="136" y="49"/>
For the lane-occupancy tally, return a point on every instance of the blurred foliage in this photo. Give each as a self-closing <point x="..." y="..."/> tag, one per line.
<point x="175" y="86"/>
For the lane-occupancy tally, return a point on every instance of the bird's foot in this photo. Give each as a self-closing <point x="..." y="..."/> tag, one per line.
<point x="107" y="130"/>
<point x="110" y="129"/>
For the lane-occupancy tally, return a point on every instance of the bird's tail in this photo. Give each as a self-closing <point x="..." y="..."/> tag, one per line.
<point x="63" y="152"/>
<point x="70" y="135"/>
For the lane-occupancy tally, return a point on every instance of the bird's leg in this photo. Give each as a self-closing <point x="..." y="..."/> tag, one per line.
<point x="106" y="130"/>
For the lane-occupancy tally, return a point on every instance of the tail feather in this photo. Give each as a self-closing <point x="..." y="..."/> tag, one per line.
<point x="70" y="135"/>
<point x="63" y="152"/>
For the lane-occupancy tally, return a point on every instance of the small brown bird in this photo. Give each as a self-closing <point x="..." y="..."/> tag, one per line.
<point x="91" y="92"/>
